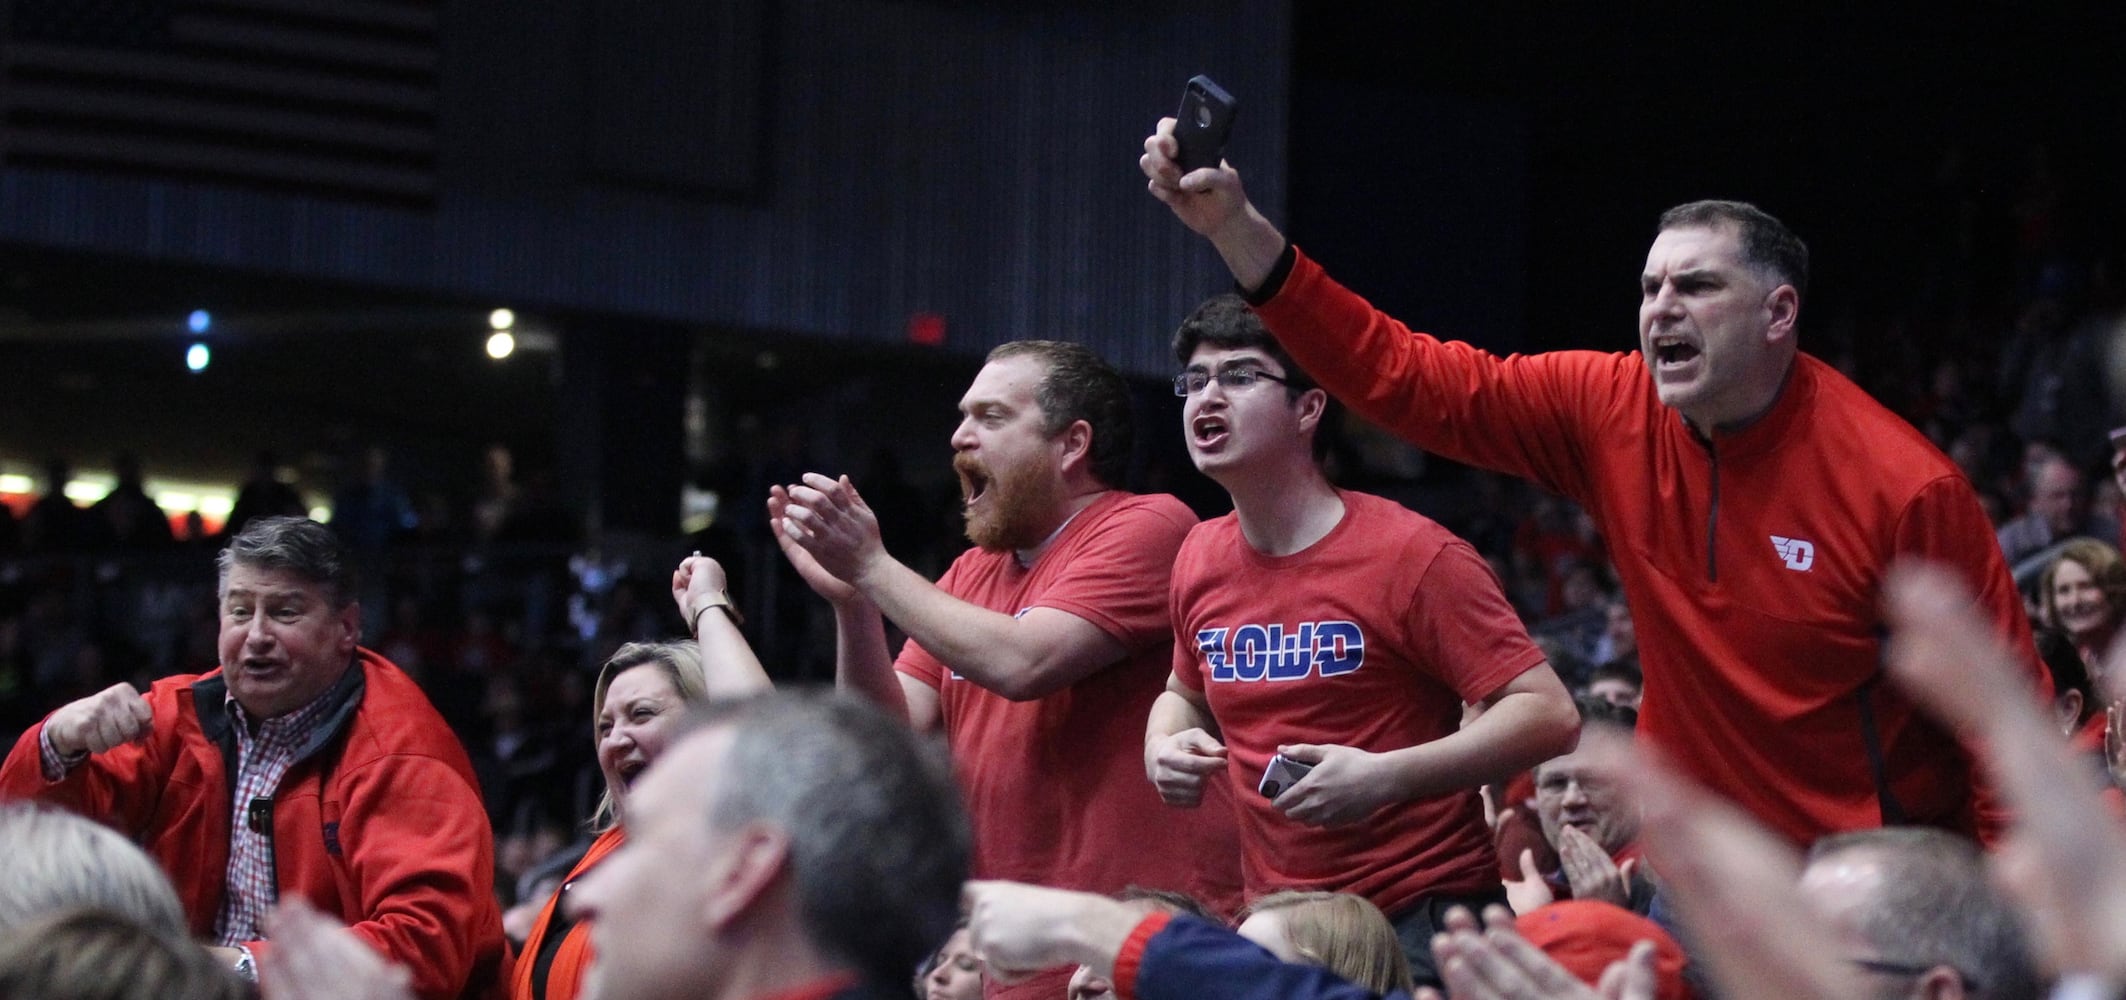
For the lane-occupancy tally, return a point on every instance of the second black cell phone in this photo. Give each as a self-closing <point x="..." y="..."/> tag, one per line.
<point x="1203" y="124"/>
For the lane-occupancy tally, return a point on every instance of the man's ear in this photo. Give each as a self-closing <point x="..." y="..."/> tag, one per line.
<point x="2067" y="708"/>
<point x="1938" y="983"/>
<point x="1313" y="406"/>
<point x="755" y="860"/>
<point x="1077" y="443"/>
<point x="350" y="622"/>
<point x="1784" y="305"/>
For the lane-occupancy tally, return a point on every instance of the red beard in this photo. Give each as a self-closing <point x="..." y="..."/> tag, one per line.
<point x="1018" y="505"/>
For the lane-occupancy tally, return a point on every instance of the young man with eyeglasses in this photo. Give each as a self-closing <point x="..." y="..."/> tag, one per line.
<point x="1343" y="633"/>
<point x="1753" y="499"/>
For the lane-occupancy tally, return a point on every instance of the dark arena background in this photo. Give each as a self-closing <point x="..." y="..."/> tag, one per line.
<point x="531" y="299"/>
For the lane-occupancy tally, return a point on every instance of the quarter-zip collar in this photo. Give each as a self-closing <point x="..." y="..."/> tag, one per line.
<point x="1758" y="436"/>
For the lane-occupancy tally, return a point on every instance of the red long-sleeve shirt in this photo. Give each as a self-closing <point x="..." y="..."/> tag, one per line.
<point x="1752" y="561"/>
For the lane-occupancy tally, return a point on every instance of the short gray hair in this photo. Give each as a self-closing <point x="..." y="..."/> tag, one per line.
<point x="296" y="545"/>
<point x="1935" y="906"/>
<point x="56" y="861"/>
<point x="879" y="841"/>
<point x="1767" y="244"/>
<point x="93" y="954"/>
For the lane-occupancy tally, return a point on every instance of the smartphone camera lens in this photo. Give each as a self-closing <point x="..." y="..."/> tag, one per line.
<point x="1203" y="116"/>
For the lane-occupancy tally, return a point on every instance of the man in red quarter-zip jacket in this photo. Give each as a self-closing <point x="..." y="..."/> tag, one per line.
<point x="1752" y="498"/>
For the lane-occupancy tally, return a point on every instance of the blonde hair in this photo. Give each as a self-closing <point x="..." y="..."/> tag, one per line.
<point x="56" y="861"/>
<point x="681" y="663"/>
<point x="92" y="954"/>
<point x="1344" y="934"/>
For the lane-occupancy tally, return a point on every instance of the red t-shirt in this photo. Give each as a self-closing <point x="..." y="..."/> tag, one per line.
<point x="1056" y="785"/>
<point x="1371" y="638"/>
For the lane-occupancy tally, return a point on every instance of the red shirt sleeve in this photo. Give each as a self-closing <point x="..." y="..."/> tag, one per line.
<point x="1460" y="620"/>
<point x="1131" y="957"/>
<point x="1188" y="662"/>
<point x="1523" y="415"/>
<point x="1944" y="524"/>
<point x="915" y="661"/>
<point x="1119" y="574"/>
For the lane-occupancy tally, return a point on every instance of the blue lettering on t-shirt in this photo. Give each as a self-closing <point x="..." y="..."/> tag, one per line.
<point x="1275" y="652"/>
<point x="1339" y="647"/>
<point x="1211" y="642"/>
<point x="1250" y="647"/>
<point x="1291" y="656"/>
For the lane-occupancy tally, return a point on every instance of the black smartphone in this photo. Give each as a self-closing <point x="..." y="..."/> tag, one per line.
<point x="1203" y="123"/>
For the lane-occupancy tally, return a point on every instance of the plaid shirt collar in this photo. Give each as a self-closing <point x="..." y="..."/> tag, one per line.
<point x="307" y="728"/>
<point x="293" y="729"/>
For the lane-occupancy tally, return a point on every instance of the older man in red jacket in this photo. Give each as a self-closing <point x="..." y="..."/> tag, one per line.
<point x="304" y="766"/>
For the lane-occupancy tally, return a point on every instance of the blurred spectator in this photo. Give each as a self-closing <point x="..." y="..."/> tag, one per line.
<point x="535" y="885"/>
<point x="1585" y="936"/>
<point x="370" y="514"/>
<point x="54" y="524"/>
<point x="1919" y="916"/>
<point x="953" y="972"/>
<point x="127" y="518"/>
<point x="2118" y="458"/>
<point x="1556" y="536"/>
<point x="1589" y="833"/>
<point x="1089" y="983"/>
<point x="90" y="954"/>
<point x="530" y="563"/>
<point x="2083" y="593"/>
<point x="1619" y="640"/>
<point x="56" y="861"/>
<point x="2058" y="359"/>
<point x="373" y="511"/>
<point x="409" y="641"/>
<point x="498" y="493"/>
<point x="1338" y="931"/>
<point x="262" y="495"/>
<point x="1617" y="682"/>
<point x="516" y="750"/>
<point x="2074" y="700"/>
<point x="1581" y="624"/>
<point x="2058" y="508"/>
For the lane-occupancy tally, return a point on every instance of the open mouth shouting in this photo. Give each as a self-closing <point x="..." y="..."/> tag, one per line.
<point x="1673" y="353"/>
<point x="1207" y="431"/>
<point x="974" y="479"/>
<point x="263" y="668"/>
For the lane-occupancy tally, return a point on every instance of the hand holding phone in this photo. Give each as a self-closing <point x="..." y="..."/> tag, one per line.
<point x="1282" y="773"/>
<point x="1203" y="124"/>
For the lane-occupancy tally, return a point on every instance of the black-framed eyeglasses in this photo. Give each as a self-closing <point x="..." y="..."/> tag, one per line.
<point x="1189" y="383"/>
<point x="1911" y="970"/>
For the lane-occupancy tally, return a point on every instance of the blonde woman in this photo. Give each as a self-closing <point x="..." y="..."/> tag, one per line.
<point x="641" y="692"/>
<point x="1340" y="932"/>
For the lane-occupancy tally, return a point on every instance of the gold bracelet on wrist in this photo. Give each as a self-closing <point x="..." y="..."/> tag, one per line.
<point x="721" y="600"/>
